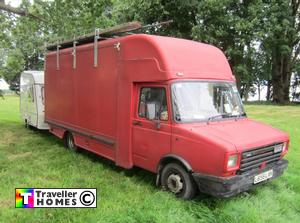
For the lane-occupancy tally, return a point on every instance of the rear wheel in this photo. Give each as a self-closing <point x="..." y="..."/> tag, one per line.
<point x="178" y="181"/>
<point x="69" y="142"/>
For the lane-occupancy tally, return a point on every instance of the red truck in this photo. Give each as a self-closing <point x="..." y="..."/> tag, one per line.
<point x="167" y="105"/>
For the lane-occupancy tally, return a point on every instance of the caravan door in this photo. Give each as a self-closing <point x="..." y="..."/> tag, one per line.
<point x="28" y="106"/>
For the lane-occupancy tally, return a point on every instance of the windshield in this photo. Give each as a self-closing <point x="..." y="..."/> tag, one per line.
<point x="195" y="101"/>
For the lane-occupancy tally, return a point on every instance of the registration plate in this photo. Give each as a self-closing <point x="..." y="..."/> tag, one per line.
<point x="263" y="176"/>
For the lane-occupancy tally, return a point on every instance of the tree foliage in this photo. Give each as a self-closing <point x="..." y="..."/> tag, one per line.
<point x="233" y="26"/>
<point x="183" y="14"/>
<point x="259" y="37"/>
<point x="23" y="37"/>
<point x="281" y="43"/>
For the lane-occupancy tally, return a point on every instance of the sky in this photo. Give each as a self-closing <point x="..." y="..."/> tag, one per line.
<point x="13" y="3"/>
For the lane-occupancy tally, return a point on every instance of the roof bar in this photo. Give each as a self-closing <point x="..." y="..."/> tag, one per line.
<point x="57" y="56"/>
<point x="87" y="38"/>
<point x="74" y="53"/>
<point x="96" y="37"/>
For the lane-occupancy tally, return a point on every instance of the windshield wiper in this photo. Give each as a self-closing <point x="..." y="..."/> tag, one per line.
<point x="243" y="114"/>
<point x="218" y="116"/>
<point x="226" y="116"/>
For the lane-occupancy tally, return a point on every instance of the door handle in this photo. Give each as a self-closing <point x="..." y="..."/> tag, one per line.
<point x="139" y="123"/>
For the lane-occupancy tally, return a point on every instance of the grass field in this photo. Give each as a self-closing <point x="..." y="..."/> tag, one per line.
<point x="36" y="159"/>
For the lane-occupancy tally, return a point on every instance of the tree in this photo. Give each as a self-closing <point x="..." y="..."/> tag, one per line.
<point x="68" y="18"/>
<point x="295" y="83"/>
<point x="17" y="11"/>
<point x="14" y="66"/>
<point x="261" y="71"/>
<point x="6" y="22"/>
<point x="233" y="26"/>
<point x="20" y="40"/>
<point x="259" y="37"/>
<point x="282" y="33"/>
<point x="24" y="36"/>
<point x="183" y="14"/>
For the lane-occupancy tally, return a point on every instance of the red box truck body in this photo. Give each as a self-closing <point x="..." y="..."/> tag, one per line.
<point x="163" y="104"/>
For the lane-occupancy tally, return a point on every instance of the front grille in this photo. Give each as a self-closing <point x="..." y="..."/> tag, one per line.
<point x="252" y="159"/>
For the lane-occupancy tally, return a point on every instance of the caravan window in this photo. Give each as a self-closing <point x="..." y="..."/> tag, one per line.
<point x="31" y="94"/>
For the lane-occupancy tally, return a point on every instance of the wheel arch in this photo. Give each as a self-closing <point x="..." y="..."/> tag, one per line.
<point x="171" y="158"/>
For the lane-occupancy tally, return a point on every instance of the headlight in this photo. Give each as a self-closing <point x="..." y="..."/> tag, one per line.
<point x="232" y="161"/>
<point x="278" y="148"/>
<point x="285" y="149"/>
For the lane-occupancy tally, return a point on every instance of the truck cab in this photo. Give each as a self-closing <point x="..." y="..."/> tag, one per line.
<point x="199" y="133"/>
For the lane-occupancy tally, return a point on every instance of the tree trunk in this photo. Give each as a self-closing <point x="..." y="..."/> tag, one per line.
<point x="287" y="73"/>
<point x="281" y="77"/>
<point x="269" y="90"/>
<point x="278" y="89"/>
<point x="258" y="90"/>
<point x="283" y="61"/>
<point x="246" y="90"/>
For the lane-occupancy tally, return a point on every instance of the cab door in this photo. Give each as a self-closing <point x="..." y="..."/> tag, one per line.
<point x="151" y="126"/>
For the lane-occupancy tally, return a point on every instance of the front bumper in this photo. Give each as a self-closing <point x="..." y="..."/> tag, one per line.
<point x="230" y="186"/>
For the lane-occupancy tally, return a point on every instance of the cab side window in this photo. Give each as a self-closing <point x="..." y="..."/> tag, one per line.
<point x="153" y="103"/>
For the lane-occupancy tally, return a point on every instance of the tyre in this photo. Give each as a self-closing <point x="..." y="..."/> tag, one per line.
<point x="69" y="142"/>
<point x="177" y="180"/>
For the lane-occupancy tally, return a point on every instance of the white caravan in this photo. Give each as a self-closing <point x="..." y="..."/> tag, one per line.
<point x="32" y="99"/>
<point x="3" y="85"/>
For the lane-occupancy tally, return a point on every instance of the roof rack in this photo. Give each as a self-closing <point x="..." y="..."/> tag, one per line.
<point x="102" y="34"/>
<point x="98" y="35"/>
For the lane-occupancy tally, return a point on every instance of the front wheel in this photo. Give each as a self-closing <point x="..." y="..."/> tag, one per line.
<point x="178" y="181"/>
<point x="69" y="142"/>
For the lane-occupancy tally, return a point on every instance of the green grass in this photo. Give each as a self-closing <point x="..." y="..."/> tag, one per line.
<point x="37" y="159"/>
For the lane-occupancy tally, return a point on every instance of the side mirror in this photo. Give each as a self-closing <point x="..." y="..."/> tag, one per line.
<point x="151" y="110"/>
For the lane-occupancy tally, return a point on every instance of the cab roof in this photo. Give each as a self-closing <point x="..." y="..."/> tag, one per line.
<point x="180" y="58"/>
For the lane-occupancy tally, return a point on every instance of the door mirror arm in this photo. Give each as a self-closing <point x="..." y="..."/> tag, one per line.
<point x="157" y="124"/>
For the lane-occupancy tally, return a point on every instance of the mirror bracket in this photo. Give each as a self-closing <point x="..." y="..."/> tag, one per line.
<point x="157" y="124"/>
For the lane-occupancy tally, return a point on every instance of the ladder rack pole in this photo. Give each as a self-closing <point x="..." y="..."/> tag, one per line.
<point x="74" y="53"/>
<point x="57" y="56"/>
<point x="96" y="37"/>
